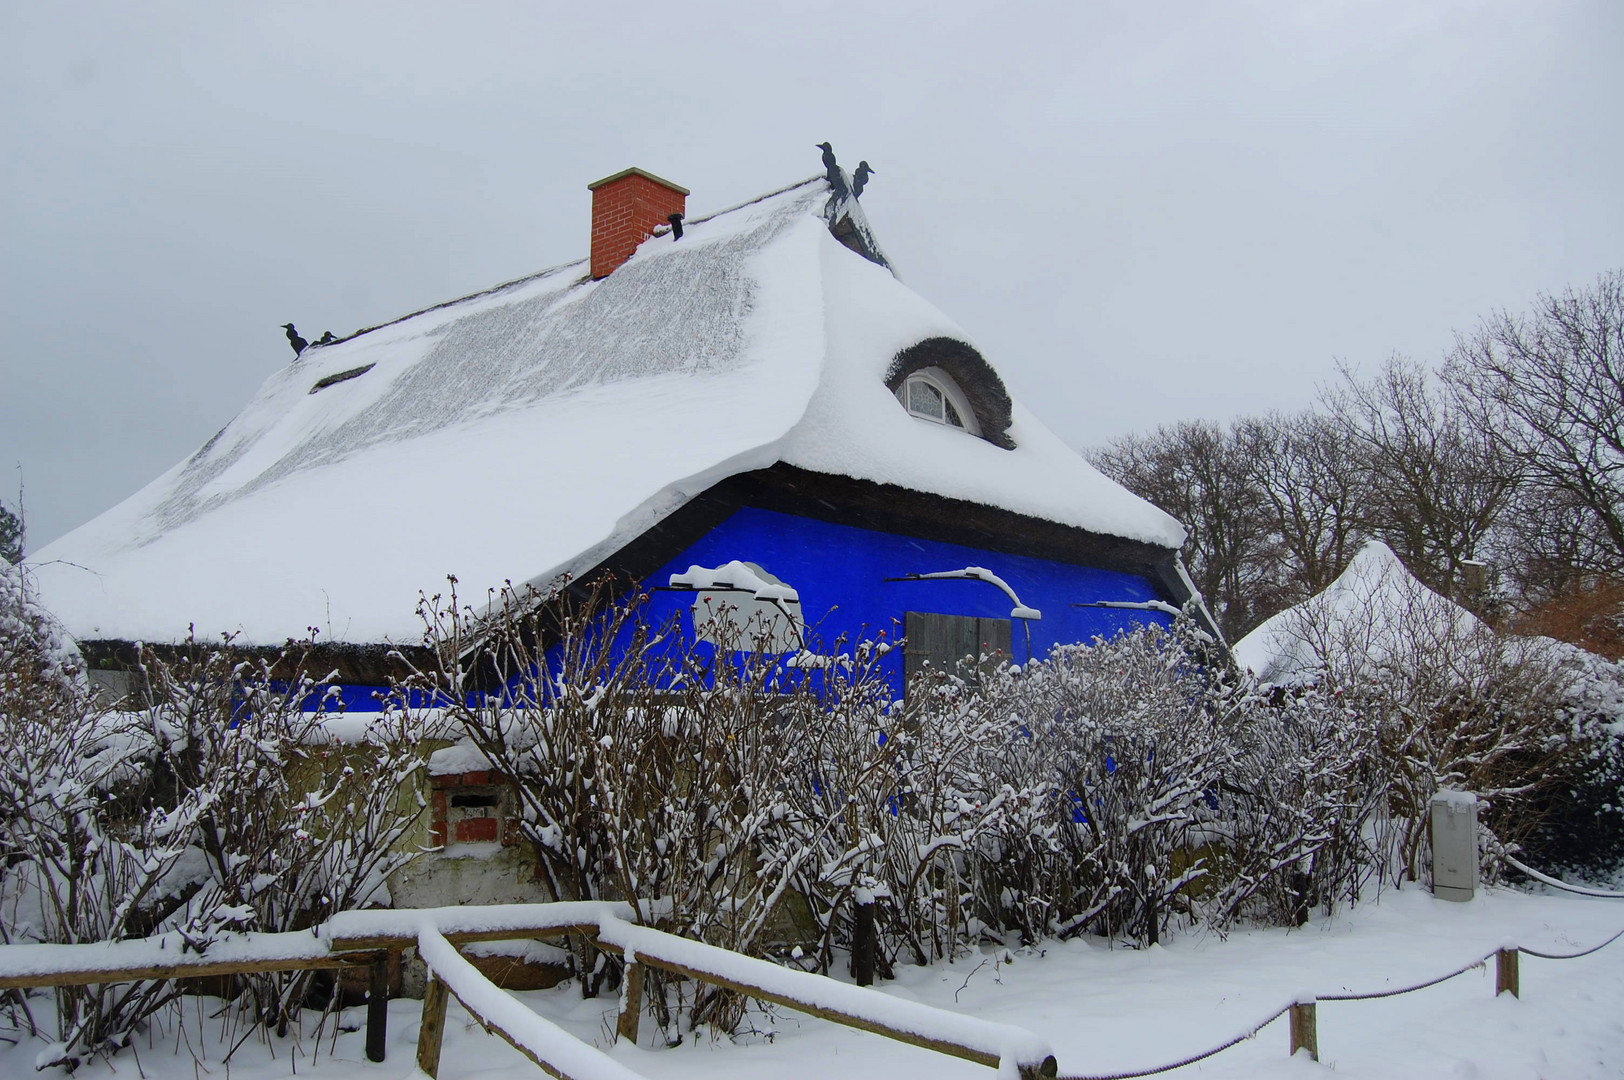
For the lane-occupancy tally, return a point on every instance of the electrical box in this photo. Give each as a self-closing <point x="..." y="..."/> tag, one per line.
<point x="1454" y="845"/>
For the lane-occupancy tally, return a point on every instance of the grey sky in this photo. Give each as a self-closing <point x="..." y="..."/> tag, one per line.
<point x="1144" y="212"/>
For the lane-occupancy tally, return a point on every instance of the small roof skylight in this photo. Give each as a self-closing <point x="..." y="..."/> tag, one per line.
<point x="931" y="394"/>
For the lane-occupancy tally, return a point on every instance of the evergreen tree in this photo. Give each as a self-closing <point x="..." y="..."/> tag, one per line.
<point x="11" y="536"/>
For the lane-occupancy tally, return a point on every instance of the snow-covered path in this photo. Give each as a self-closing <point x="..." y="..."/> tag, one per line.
<point x="1106" y="1009"/>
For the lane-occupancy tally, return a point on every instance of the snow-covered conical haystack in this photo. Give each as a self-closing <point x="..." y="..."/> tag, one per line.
<point x="1375" y="613"/>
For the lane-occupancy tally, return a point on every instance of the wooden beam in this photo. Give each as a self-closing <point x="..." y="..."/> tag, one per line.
<point x="1304" y="1028"/>
<point x="432" y="1031"/>
<point x="406" y="939"/>
<point x="181" y="969"/>
<point x="631" y="1003"/>
<point x="1507" y="976"/>
<point x="498" y="1029"/>
<point x="378" y="1009"/>
<point x="1044" y="1069"/>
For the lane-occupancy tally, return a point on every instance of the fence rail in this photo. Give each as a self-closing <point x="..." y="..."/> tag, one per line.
<point x="368" y="939"/>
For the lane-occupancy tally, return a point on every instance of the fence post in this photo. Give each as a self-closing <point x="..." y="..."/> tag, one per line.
<point x="1506" y="975"/>
<point x="1304" y="1032"/>
<point x="864" y="939"/>
<point x="378" y="1009"/>
<point x="1047" y="1069"/>
<point x="631" y="1002"/>
<point x="432" y="1031"/>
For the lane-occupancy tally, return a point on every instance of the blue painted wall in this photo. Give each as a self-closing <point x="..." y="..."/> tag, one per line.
<point x="840" y="573"/>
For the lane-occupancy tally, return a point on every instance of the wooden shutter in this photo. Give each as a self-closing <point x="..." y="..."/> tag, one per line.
<point x="951" y="643"/>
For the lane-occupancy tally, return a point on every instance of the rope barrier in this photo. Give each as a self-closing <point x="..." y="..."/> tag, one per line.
<point x="1405" y="989"/>
<point x="1191" y="1060"/>
<point x="1203" y="1055"/>
<point x="1571" y="956"/>
<point x="1554" y="883"/>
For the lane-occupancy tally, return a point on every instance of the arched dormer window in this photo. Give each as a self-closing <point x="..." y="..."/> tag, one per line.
<point x="931" y="394"/>
<point x="940" y="378"/>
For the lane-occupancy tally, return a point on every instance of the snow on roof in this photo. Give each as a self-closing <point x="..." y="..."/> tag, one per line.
<point x="1376" y="610"/>
<point x="534" y="429"/>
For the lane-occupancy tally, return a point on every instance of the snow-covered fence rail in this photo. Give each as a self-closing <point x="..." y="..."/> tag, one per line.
<point x="367" y="938"/>
<point x="968" y="1037"/>
<point x="168" y="957"/>
<point x="610" y="927"/>
<point x="537" y="1038"/>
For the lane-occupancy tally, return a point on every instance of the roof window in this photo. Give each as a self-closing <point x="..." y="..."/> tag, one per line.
<point x="931" y="394"/>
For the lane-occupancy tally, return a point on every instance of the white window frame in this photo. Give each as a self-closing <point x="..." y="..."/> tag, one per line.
<point x="943" y="383"/>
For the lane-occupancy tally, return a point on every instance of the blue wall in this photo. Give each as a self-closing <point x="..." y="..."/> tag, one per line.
<point x="840" y="573"/>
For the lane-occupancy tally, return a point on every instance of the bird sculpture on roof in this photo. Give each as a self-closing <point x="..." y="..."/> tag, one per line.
<point x="836" y="175"/>
<point x="859" y="179"/>
<point x="299" y="344"/>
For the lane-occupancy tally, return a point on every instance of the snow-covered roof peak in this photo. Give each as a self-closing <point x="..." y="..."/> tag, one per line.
<point x="1374" y="610"/>
<point x="534" y="428"/>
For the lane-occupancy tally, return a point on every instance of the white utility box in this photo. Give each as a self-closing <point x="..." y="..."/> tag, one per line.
<point x="1454" y="845"/>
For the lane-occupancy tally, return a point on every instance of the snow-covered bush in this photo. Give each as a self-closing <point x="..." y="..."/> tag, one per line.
<point x="1134" y="748"/>
<point x="293" y="826"/>
<point x="84" y="854"/>
<point x="221" y="807"/>
<point x="643" y="769"/>
<point x="1580" y="821"/>
<point x="1452" y="703"/>
<point x="1119" y="787"/>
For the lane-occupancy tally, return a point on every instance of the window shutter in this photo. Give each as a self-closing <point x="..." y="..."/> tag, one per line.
<point x="942" y="642"/>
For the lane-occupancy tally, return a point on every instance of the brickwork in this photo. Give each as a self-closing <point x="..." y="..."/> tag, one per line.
<point x="626" y="209"/>
<point x="472" y="808"/>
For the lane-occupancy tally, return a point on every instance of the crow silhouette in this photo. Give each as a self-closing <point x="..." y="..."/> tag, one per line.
<point x="326" y="338"/>
<point x="837" y="177"/>
<point x="299" y="344"/>
<point x="859" y="179"/>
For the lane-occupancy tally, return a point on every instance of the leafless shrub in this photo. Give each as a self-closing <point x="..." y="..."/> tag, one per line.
<point x="1452" y="703"/>
<point x="210" y="812"/>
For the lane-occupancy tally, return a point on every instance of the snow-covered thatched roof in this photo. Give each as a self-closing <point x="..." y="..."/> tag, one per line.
<point x="1375" y="611"/>
<point x="535" y="428"/>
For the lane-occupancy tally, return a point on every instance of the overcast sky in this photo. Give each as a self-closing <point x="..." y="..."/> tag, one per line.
<point x="1142" y="212"/>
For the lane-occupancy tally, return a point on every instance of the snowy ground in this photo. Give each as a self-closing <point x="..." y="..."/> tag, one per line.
<point x="1110" y="1009"/>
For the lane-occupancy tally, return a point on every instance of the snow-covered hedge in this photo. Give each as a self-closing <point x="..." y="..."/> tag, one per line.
<point x="1121" y="787"/>
<point x="219" y="808"/>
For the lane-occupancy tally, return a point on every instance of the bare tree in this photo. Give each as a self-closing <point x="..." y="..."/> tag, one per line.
<point x="1436" y="483"/>
<point x="1306" y="468"/>
<point x="1547" y="388"/>
<point x="1198" y="472"/>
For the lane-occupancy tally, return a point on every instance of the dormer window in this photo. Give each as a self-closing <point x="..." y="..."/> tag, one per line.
<point x="931" y="394"/>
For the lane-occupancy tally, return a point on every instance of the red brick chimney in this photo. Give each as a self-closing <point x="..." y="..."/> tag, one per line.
<point x="626" y="207"/>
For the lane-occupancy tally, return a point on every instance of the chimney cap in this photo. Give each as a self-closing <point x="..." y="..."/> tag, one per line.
<point x="635" y="171"/>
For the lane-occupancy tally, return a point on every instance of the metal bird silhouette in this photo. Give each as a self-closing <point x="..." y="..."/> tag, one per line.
<point x="859" y="179"/>
<point x="837" y="177"/>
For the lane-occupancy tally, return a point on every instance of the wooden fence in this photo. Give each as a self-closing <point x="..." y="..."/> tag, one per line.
<point x="369" y="938"/>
